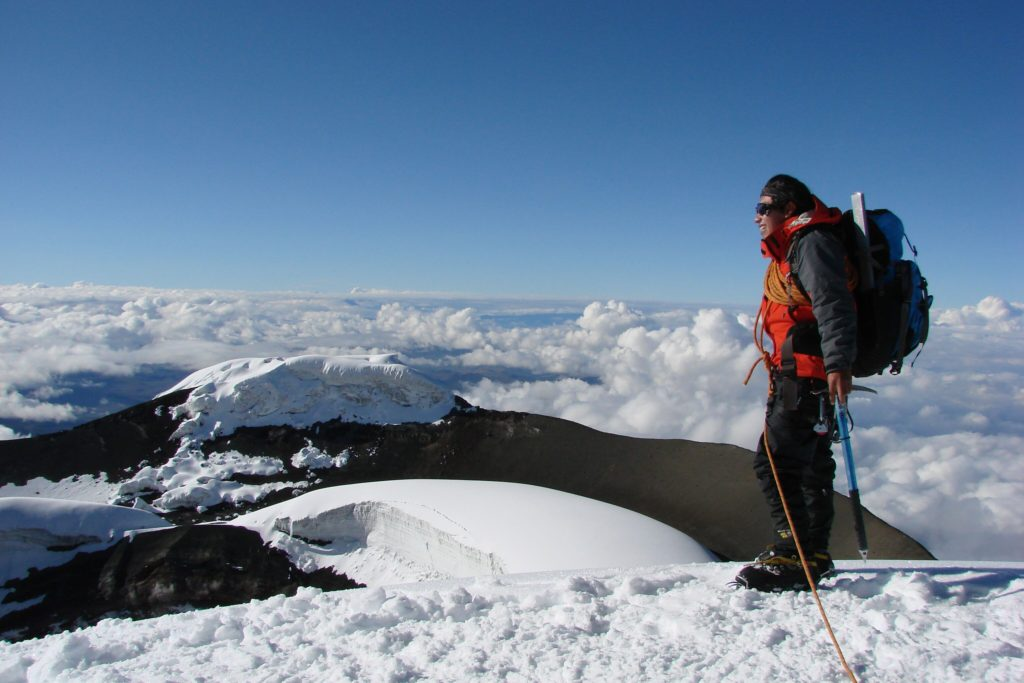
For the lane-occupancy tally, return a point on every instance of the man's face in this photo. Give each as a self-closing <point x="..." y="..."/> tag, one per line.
<point x="768" y="217"/>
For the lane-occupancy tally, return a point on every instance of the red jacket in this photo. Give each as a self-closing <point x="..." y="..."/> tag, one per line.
<point x="828" y="340"/>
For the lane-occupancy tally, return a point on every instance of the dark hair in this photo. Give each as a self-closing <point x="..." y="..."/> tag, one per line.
<point x="785" y="188"/>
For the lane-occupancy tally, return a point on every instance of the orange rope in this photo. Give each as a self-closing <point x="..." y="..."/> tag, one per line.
<point x="779" y="287"/>
<point x="766" y="357"/>
<point x="803" y="560"/>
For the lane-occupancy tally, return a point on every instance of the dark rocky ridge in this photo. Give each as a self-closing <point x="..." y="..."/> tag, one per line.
<point x="157" y="572"/>
<point x="706" y="490"/>
<point x="115" y="444"/>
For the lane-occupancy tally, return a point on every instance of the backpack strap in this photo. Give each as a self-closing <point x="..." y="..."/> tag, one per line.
<point x="836" y="231"/>
<point x="787" y="374"/>
<point x="794" y="240"/>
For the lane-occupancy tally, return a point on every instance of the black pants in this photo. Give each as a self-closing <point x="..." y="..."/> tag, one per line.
<point x="805" y="466"/>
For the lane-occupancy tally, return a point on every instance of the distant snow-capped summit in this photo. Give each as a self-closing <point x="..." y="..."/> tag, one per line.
<point x="304" y="390"/>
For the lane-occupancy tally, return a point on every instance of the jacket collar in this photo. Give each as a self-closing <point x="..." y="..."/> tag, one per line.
<point x="776" y="245"/>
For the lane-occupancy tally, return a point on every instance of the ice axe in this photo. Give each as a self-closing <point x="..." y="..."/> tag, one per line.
<point x="842" y="422"/>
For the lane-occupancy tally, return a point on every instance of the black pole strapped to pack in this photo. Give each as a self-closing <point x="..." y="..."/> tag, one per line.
<point x="906" y="297"/>
<point x="860" y="217"/>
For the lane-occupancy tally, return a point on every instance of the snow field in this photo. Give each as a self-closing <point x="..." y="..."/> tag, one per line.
<point x="670" y="623"/>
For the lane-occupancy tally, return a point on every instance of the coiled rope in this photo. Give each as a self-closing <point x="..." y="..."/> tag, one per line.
<point x="779" y="289"/>
<point x="803" y="559"/>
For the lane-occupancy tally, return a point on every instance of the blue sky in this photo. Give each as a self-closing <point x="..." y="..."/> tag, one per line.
<point x="590" y="150"/>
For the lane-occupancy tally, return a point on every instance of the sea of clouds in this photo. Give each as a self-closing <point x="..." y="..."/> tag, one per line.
<point x="938" y="449"/>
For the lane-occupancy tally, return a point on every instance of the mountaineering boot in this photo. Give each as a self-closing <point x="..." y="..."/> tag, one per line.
<point x="775" y="550"/>
<point x="778" y="569"/>
<point x="821" y="564"/>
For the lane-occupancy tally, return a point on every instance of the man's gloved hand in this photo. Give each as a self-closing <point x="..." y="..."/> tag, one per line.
<point x="840" y="384"/>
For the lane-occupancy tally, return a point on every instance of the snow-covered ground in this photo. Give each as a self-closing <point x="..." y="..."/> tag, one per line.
<point x="934" y="622"/>
<point x="896" y="621"/>
<point x="651" y="620"/>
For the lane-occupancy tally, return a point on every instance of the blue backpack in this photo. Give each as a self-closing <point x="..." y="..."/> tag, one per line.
<point x="892" y="311"/>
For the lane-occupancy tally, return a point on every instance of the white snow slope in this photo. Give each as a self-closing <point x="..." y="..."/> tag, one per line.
<point x="934" y="622"/>
<point x="896" y="621"/>
<point x="411" y="530"/>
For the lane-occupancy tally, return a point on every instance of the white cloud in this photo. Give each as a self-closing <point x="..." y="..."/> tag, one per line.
<point x="650" y="381"/>
<point x="655" y="371"/>
<point x="6" y="434"/>
<point x="992" y="313"/>
<point x="955" y="491"/>
<point x="445" y="327"/>
<point x="13" y="404"/>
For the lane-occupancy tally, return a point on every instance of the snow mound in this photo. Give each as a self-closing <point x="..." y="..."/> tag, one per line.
<point x="395" y="531"/>
<point x="45" y="532"/>
<point x="304" y="390"/>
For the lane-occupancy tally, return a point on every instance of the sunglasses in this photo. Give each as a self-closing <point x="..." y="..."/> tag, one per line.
<point x="765" y="209"/>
